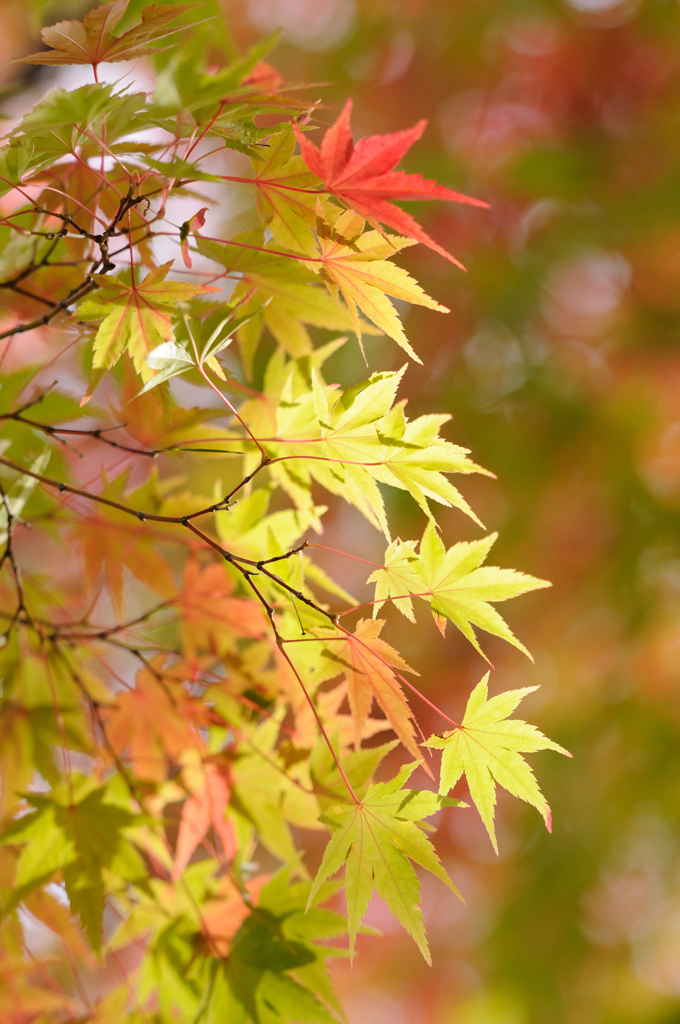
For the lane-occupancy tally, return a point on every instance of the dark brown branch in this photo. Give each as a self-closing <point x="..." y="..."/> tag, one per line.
<point x="75" y="295"/>
<point x="88" y="285"/>
<point x="150" y="516"/>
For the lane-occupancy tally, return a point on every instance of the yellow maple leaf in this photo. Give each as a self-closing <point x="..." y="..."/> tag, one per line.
<point x="485" y="747"/>
<point x="357" y="266"/>
<point x="136" y="315"/>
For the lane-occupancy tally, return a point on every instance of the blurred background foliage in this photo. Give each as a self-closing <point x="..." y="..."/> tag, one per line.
<point x="560" y="364"/>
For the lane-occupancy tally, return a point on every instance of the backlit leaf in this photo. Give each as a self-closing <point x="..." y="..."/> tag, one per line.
<point x="136" y="315"/>
<point x="375" y="840"/>
<point x="365" y="179"/>
<point x="487" y="748"/>
<point x="454" y="583"/>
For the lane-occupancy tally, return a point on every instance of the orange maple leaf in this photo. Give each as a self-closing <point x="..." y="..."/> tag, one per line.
<point x="211" y="616"/>
<point x="368" y="662"/>
<point x="108" y="547"/>
<point x="204" y="808"/>
<point x="222" y="917"/>
<point x="151" y="726"/>
<point x="155" y="424"/>
<point x="343" y="725"/>
<point x="338" y="725"/>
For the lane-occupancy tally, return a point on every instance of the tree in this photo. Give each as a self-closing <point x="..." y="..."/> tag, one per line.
<point x="187" y="694"/>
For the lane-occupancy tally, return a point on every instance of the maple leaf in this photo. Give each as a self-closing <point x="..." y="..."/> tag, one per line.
<point x="362" y="441"/>
<point x="65" y="120"/>
<point x="338" y="725"/>
<point x="358" y="766"/>
<point x="153" y="724"/>
<point x="203" y="808"/>
<point x="92" y="41"/>
<point x="293" y="295"/>
<point x="368" y="663"/>
<point x="156" y="425"/>
<point x="356" y="264"/>
<point x="275" y="970"/>
<point x="222" y="917"/>
<point x="19" y="493"/>
<point x="486" y="747"/>
<point x="108" y="547"/>
<point x="376" y="838"/>
<point x="249" y="531"/>
<point x="211" y="616"/>
<point x="454" y="583"/>
<point x="265" y="77"/>
<point x="398" y="579"/>
<point x="282" y="180"/>
<point x="265" y="793"/>
<point x="136" y="316"/>
<point x="39" y="704"/>
<point x="55" y="916"/>
<point x="363" y="177"/>
<point x="22" y="1001"/>
<point x="78" y="829"/>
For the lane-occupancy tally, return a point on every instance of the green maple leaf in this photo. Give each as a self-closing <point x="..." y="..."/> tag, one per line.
<point x="66" y="119"/>
<point x="462" y="588"/>
<point x="358" y="439"/>
<point x="454" y="583"/>
<point x="30" y="724"/>
<point x="78" y="829"/>
<point x="266" y="796"/>
<point x="358" y="765"/>
<point x="377" y="838"/>
<point x="19" y="493"/>
<point x="398" y="579"/>
<point x="281" y="179"/>
<point x="136" y="315"/>
<point x="294" y="295"/>
<point x="276" y="971"/>
<point x="486" y="749"/>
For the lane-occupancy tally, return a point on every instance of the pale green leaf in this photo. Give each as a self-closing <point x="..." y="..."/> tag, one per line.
<point x="376" y="840"/>
<point x="486" y="749"/>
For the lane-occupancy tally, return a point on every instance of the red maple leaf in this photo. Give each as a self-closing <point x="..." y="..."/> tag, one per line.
<point x="363" y="176"/>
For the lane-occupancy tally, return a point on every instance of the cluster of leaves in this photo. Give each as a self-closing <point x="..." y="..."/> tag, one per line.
<point x="180" y="701"/>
